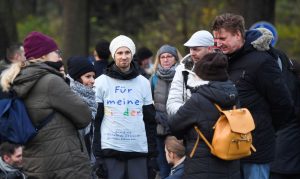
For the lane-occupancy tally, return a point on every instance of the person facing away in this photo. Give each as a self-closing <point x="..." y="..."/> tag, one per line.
<point x="200" y="44"/>
<point x="11" y="161"/>
<point x="213" y="88"/>
<point x="125" y="126"/>
<point x="57" y="150"/>
<point x="101" y="55"/>
<point x="167" y="59"/>
<point x="144" y="59"/>
<point x="14" y="53"/>
<point x="82" y="72"/>
<point x="175" y="155"/>
<point x="287" y="158"/>
<point x="260" y="86"/>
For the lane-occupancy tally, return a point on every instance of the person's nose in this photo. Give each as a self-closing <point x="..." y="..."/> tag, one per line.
<point x="93" y="80"/>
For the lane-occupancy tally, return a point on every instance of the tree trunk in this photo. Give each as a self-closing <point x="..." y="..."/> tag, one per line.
<point x="8" y="28"/>
<point x="253" y="11"/>
<point x="75" y="27"/>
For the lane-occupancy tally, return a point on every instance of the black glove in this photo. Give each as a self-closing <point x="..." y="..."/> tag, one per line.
<point x="100" y="169"/>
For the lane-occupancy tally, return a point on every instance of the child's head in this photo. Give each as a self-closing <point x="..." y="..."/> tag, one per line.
<point x="82" y="70"/>
<point x="174" y="149"/>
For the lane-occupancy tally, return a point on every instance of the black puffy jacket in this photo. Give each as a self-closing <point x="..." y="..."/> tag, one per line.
<point x="200" y="110"/>
<point x="261" y="89"/>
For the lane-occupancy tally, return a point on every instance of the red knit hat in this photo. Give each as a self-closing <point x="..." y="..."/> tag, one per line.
<point x="37" y="44"/>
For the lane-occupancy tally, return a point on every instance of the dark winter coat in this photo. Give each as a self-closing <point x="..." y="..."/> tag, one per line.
<point x="287" y="155"/>
<point x="148" y="117"/>
<point x="56" y="151"/>
<point x="261" y="89"/>
<point x="200" y="110"/>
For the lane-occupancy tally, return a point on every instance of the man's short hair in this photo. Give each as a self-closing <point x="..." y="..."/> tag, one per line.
<point x="102" y="49"/>
<point x="9" y="149"/>
<point x="12" y="50"/>
<point x="176" y="146"/>
<point x="230" y="22"/>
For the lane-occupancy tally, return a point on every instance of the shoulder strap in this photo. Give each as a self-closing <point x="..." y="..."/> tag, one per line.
<point x="197" y="141"/>
<point x="45" y="121"/>
<point x="184" y="86"/>
<point x="154" y="81"/>
<point x="185" y="75"/>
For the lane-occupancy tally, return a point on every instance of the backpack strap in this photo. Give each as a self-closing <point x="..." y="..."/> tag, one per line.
<point x="184" y="86"/>
<point x="197" y="141"/>
<point x="154" y="81"/>
<point x="45" y="121"/>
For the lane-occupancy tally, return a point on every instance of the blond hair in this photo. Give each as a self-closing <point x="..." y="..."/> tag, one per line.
<point x="8" y="76"/>
<point x="157" y="61"/>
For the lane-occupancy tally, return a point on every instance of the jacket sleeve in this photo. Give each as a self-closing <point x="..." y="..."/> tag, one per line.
<point x="65" y="101"/>
<point x="96" y="146"/>
<point x="185" y="118"/>
<point x="176" y="93"/>
<point x="150" y="126"/>
<point x="272" y="86"/>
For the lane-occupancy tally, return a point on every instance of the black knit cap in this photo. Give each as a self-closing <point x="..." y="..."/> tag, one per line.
<point x="78" y="66"/>
<point x="212" y="67"/>
<point x="102" y="49"/>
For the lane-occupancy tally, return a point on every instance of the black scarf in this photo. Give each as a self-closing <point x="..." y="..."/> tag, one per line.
<point x="113" y="71"/>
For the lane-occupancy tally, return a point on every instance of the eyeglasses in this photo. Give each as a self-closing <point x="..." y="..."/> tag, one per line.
<point x="166" y="57"/>
<point x="58" y="52"/>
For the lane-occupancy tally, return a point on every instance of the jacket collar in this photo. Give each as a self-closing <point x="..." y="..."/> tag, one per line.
<point x="114" y="72"/>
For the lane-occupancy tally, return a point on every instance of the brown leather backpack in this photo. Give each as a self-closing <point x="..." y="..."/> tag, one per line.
<point x="232" y="137"/>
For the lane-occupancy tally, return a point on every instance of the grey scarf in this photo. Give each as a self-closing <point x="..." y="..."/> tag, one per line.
<point x="6" y="168"/>
<point x="166" y="74"/>
<point x="87" y="94"/>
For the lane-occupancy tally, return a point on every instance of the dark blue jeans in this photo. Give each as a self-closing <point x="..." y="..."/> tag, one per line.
<point x="257" y="171"/>
<point x="164" y="167"/>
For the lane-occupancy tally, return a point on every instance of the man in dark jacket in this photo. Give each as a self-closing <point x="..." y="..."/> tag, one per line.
<point x="260" y="86"/>
<point x="125" y="127"/>
<point x="11" y="161"/>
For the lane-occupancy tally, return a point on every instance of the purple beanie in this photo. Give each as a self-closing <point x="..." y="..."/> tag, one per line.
<point x="37" y="44"/>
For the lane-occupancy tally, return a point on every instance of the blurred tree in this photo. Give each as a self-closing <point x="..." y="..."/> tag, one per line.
<point x="252" y="11"/>
<point x="177" y="22"/>
<point x="288" y="27"/>
<point x="8" y="28"/>
<point x="75" y="27"/>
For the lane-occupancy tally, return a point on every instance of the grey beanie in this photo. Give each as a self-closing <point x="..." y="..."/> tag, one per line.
<point x="168" y="49"/>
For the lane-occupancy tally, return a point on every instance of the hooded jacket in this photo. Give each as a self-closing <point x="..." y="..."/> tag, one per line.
<point x="56" y="151"/>
<point x="110" y="89"/>
<point x="200" y="110"/>
<point x="261" y="89"/>
<point x="287" y="157"/>
<point x="179" y="92"/>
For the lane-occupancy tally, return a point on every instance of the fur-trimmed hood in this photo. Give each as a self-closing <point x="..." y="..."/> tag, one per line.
<point x="259" y="38"/>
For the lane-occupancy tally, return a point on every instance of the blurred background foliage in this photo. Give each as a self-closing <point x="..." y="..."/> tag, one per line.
<point x="77" y="25"/>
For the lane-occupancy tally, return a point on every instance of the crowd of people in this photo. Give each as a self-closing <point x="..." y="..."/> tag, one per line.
<point x="127" y="118"/>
